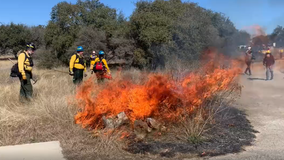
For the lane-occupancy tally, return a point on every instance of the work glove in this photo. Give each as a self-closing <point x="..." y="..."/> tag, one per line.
<point x="24" y="79"/>
<point x="71" y="73"/>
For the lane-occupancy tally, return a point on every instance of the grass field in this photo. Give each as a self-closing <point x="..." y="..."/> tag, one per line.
<point x="50" y="117"/>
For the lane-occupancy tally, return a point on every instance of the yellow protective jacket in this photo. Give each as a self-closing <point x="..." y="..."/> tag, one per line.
<point x="104" y="62"/>
<point x="77" y="62"/>
<point x="24" y="63"/>
<point x="92" y="61"/>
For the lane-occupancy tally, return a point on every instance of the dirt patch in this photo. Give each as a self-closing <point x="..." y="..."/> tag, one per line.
<point x="229" y="134"/>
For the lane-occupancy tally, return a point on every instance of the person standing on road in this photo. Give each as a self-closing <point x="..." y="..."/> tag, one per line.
<point x="269" y="62"/>
<point x="248" y="60"/>
<point x="78" y="66"/>
<point x="25" y="65"/>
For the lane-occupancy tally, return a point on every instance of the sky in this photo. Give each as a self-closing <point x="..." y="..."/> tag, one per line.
<point x="243" y="13"/>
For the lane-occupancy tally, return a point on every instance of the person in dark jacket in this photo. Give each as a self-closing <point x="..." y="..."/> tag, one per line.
<point x="268" y="62"/>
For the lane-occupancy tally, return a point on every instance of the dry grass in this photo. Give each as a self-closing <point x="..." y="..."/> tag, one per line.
<point x="7" y="56"/>
<point x="49" y="117"/>
<point x="195" y="125"/>
<point x="6" y="65"/>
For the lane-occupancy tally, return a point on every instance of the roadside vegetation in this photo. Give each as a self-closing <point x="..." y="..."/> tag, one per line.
<point x="51" y="116"/>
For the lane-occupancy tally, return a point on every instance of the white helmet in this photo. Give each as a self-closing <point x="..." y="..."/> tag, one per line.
<point x="249" y="48"/>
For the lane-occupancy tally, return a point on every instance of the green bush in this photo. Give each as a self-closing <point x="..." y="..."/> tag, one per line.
<point x="46" y="59"/>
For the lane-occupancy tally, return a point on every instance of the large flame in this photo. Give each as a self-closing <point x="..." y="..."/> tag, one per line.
<point x="159" y="97"/>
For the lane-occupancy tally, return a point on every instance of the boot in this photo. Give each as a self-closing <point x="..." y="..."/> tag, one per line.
<point x="249" y="72"/>
<point x="267" y="75"/>
<point x="271" y="72"/>
<point x="246" y="71"/>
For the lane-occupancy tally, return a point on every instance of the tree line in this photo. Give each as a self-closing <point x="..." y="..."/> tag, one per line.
<point x="157" y="32"/>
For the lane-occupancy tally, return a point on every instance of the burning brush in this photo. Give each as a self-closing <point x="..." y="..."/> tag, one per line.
<point x="158" y="101"/>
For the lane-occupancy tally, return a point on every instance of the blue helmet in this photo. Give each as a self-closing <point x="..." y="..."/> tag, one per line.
<point x="101" y="53"/>
<point x="80" y="49"/>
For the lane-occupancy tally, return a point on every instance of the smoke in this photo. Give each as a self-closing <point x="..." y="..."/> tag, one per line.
<point x="255" y="30"/>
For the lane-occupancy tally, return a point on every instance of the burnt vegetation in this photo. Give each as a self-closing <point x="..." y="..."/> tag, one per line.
<point x="228" y="135"/>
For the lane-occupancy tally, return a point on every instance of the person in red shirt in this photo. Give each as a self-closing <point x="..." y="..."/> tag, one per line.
<point x="269" y="62"/>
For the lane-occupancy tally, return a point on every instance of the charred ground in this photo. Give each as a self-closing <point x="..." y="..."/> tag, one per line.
<point x="230" y="133"/>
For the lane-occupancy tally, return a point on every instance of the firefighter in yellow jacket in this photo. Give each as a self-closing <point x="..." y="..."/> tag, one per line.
<point x="25" y="66"/>
<point x="77" y="66"/>
<point x="101" y="67"/>
<point x="92" y="60"/>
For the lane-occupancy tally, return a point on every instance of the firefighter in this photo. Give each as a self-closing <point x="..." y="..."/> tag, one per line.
<point x="269" y="62"/>
<point x="101" y="67"/>
<point x="77" y="66"/>
<point x="248" y="61"/>
<point x="25" y="65"/>
<point x="92" y="60"/>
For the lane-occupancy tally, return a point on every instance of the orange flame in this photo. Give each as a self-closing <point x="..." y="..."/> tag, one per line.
<point x="158" y="97"/>
<point x="124" y="135"/>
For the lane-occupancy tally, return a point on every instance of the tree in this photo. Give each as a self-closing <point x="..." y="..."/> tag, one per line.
<point x="278" y="36"/>
<point x="163" y="29"/>
<point x="69" y="21"/>
<point x="63" y="28"/>
<point x="14" y="37"/>
<point x="260" y="40"/>
<point x="37" y="35"/>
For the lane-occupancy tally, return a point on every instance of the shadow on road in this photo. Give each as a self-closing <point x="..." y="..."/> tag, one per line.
<point x="254" y="79"/>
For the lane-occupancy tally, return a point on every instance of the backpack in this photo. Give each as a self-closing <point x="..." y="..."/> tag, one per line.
<point x="15" y="71"/>
<point x="99" y="66"/>
<point x="15" y="68"/>
<point x="81" y="61"/>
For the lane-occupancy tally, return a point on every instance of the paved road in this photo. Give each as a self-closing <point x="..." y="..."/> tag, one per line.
<point x="263" y="101"/>
<point x="36" y="151"/>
